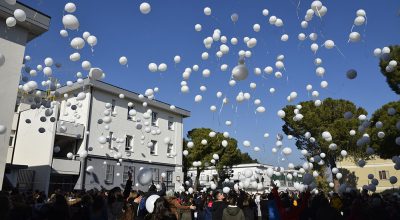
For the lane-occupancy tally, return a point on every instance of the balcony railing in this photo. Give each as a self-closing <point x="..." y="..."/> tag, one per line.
<point x="70" y="129"/>
<point x="71" y="167"/>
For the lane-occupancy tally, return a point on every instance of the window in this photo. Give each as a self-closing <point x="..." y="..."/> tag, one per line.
<point x="128" y="143"/>
<point x="168" y="181"/>
<point x="110" y="137"/>
<point x="109" y="174"/>
<point x="156" y="175"/>
<point x="10" y="142"/>
<point x="129" y="117"/>
<point x="154" y="119"/>
<point x="112" y="106"/>
<point x="153" y="149"/>
<point x="170" y="123"/>
<point x="125" y="175"/>
<point x="383" y="175"/>
<point x="170" y="148"/>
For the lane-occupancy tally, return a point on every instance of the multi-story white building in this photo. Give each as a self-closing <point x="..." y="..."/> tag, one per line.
<point x="12" y="48"/>
<point x="93" y="137"/>
<point x="259" y="175"/>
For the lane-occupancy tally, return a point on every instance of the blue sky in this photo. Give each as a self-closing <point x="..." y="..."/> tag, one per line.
<point x="168" y="30"/>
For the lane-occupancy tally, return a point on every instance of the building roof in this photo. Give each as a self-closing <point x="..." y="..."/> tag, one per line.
<point x="36" y="22"/>
<point x="245" y="165"/>
<point x="128" y="95"/>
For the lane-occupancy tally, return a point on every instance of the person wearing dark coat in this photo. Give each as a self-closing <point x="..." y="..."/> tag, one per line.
<point x="264" y="207"/>
<point x="218" y="206"/>
<point x="233" y="212"/>
<point x="249" y="209"/>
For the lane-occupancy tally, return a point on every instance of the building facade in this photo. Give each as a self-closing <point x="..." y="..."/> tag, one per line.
<point x="380" y="168"/>
<point x="93" y="137"/>
<point x="258" y="170"/>
<point x="12" y="49"/>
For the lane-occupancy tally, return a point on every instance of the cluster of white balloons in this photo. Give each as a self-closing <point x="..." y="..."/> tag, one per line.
<point x="361" y="18"/>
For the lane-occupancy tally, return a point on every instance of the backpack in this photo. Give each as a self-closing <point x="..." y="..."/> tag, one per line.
<point x="142" y="204"/>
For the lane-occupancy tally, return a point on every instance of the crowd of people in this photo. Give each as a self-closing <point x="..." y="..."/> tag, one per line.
<point x="127" y="204"/>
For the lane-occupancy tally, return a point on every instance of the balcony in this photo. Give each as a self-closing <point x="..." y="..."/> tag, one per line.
<point x="65" y="128"/>
<point x="70" y="167"/>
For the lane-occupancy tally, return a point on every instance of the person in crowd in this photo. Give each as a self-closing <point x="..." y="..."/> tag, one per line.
<point x="326" y="211"/>
<point x="218" y="206"/>
<point x="233" y="212"/>
<point x="98" y="210"/>
<point x="249" y="208"/>
<point x="115" y="204"/>
<point x="58" y="209"/>
<point x="161" y="211"/>
<point x="264" y="206"/>
<point x="176" y="206"/>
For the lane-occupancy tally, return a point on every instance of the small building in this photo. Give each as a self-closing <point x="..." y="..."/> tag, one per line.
<point x="258" y="170"/>
<point x="380" y="168"/>
<point x="91" y="138"/>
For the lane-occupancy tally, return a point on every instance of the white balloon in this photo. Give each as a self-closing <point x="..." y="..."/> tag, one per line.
<point x="272" y="19"/>
<point x="150" y="202"/>
<point x="75" y="57"/>
<point x="287" y="151"/>
<point x="11" y="2"/>
<point x="284" y="37"/>
<point x="177" y="59"/>
<point x="162" y="67"/>
<point x="278" y="22"/>
<point x="70" y="22"/>
<point x="145" y="8"/>
<point x="47" y="71"/>
<point x="96" y="73"/>
<point x="314" y="47"/>
<point x="260" y="109"/>
<point x="123" y="60"/>
<point x="256" y="27"/>
<point x="272" y="90"/>
<point x="153" y="67"/>
<point x="359" y="20"/>
<point x="281" y="114"/>
<point x="198" y="98"/>
<point x="304" y="24"/>
<point x="70" y="7"/>
<point x="86" y="65"/>
<point x="92" y="40"/>
<point x="206" y="73"/>
<point x="361" y="12"/>
<point x="145" y="176"/>
<point x="252" y="43"/>
<point x="77" y="43"/>
<point x="301" y="37"/>
<point x="324" y="84"/>
<point x="20" y="15"/>
<point x="329" y="44"/>
<point x="207" y="11"/>
<point x="320" y="71"/>
<point x="354" y="37"/>
<point x="11" y="22"/>
<point x="265" y="12"/>
<point x="377" y="52"/>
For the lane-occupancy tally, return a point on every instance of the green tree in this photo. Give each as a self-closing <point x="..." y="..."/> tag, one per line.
<point x="386" y="146"/>
<point x="228" y="156"/>
<point x="327" y="117"/>
<point x="245" y="158"/>
<point x="349" y="178"/>
<point x="393" y="75"/>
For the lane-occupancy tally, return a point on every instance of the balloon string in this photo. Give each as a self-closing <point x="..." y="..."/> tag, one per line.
<point x="297" y="10"/>
<point x="340" y="52"/>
